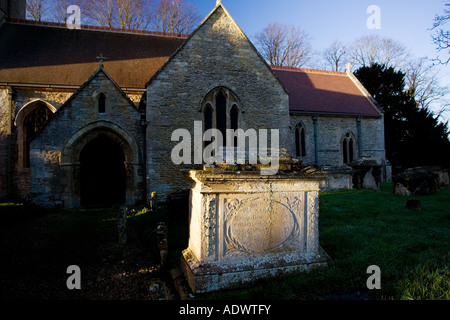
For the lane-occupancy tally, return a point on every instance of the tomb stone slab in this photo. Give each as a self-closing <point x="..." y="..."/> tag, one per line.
<point x="245" y="226"/>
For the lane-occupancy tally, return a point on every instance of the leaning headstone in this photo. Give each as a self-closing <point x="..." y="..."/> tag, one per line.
<point x="122" y="224"/>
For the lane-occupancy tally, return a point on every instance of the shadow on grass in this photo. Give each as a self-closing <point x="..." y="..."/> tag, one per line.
<point x="38" y="245"/>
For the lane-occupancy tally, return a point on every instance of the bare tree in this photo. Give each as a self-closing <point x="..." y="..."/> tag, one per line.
<point x="36" y="9"/>
<point x="367" y="50"/>
<point x="133" y="14"/>
<point x="284" y="45"/>
<point x="335" y="57"/>
<point x="175" y="16"/>
<point x="440" y="36"/>
<point x="423" y="81"/>
<point x="100" y="11"/>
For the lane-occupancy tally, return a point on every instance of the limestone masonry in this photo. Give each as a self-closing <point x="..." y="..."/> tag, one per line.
<point x="78" y="132"/>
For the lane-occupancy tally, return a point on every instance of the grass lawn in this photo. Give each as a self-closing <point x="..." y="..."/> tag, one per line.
<point x="358" y="228"/>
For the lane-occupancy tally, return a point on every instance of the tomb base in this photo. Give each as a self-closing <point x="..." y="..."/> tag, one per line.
<point x="207" y="277"/>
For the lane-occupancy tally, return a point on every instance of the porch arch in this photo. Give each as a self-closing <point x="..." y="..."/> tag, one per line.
<point x="70" y="159"/>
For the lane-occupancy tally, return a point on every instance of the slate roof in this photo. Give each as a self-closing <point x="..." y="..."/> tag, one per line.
<point x="55" y="55"/>
<point x="50" y="54"/>
<point x="325" y="92"/>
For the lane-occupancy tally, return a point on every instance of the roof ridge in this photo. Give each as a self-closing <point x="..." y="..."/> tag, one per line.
<point x="307" y="70"/>
<point x="97" y="28"/>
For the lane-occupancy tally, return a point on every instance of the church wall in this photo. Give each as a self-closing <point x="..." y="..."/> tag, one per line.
<point x="373" y="138"/>
<point x="22" y="98"/>
<point x="216" y="55"/>
<point x="330" y="132"/>
<point x="55" y="151"/>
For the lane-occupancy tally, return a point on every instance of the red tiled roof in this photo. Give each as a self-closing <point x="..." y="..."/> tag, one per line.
<point x="328" y="92"/>
<point x="51" y="54"/>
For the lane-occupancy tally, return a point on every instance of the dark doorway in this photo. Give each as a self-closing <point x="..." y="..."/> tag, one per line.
<point x="103" y="175"/>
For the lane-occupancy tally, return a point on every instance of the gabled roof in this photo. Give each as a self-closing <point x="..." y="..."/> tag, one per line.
<point x="86" y="83"/>
<point x="326" y="92"/>
<point x="218" y="6"/>
<point x="80" y="89"/>
<point x="52" y="54"/>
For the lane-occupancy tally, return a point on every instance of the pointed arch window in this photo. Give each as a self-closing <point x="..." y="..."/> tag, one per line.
<point x="32" y="123"/>
<point x="221" y="111"/>
<point x="300" y="140"/>
<point x="348" y="148"/>
<point x="101" y="102"/>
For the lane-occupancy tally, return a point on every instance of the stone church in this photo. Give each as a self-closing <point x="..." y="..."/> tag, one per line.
<point x="87" y="115"/>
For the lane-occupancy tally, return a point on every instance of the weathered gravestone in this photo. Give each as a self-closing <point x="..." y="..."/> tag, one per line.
<point x="415" y="181"/>
<point x="366" y="174"/>
<point x="245" y="226"/>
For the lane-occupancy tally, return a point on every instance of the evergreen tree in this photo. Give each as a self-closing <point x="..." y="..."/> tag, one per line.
<point x="414" y="137"/>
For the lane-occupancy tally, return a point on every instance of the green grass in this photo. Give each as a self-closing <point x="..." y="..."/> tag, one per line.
<point x="359" y="228"/>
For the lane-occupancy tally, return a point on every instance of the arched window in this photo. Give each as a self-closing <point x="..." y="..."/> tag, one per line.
<point x="101" y="101"/>
<point x="221" y="111"/>
<point x="33" y="121"/>
<point x="300" y="141"/>
<point x="348" y="147"/>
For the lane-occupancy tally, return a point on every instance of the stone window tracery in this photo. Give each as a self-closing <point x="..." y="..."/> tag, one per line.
<point x="221" y="111"/>
<point x="348" y="148"/>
